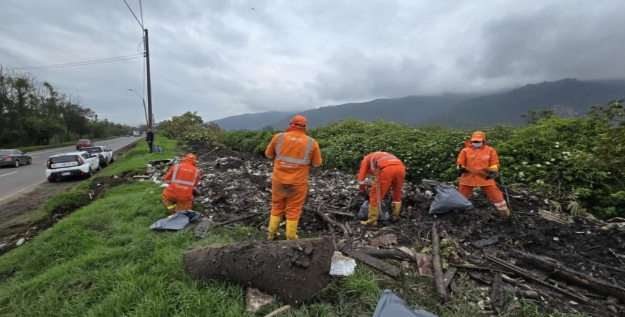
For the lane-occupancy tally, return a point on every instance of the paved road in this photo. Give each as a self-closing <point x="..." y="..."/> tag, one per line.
<point x="16" y="180"/>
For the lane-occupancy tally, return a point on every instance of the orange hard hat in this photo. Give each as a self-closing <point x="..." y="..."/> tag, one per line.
<point x="478" y="136"/>
<point x="299" y="120"/>
<point x="190" y="157"/>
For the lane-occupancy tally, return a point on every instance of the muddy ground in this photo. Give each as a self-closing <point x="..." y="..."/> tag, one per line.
<point x="236" y="184"/>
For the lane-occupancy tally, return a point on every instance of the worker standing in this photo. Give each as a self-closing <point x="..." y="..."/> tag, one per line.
<point x="389" y="173"/>
<point x="182" y="179"/>
<point x="293" y="153"/>
<point x="150" y="139"/>
<point x="478" y="165"/>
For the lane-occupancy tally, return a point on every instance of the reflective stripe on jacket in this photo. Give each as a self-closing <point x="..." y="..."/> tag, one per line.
<point x="293" y="153"/>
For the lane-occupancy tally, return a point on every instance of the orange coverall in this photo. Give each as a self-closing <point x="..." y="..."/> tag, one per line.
<point x="478" y="162"/>
<point x="293" y="153"/>
<point x="182" y="178"/>
<point x="392" y="175"/>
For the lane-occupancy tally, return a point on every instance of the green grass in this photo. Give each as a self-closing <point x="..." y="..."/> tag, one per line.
<point x="103" y="260"/>
<point x="72" y="199"/>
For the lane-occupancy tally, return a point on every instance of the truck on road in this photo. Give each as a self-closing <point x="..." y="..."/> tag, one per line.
<point x="136" y="133"/>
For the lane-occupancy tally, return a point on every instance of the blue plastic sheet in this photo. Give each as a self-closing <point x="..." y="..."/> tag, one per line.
<point x="390" y="305"/>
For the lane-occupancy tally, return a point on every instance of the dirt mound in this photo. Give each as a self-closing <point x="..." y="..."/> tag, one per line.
<point x="102" y="184"/>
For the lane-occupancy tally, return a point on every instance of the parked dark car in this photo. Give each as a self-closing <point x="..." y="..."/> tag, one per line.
<point x="13" y="157"/>
<point x="83" y="143"/>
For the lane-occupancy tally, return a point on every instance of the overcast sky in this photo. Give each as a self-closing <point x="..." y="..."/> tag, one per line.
<point x="222" y="58"/>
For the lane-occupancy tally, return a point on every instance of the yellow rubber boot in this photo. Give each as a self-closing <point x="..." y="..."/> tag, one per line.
<point x="373" y="217"/>
<point x="274" y="223"/>
<point x="504" y="213"/>
<point x="291" y="229"/>
<point x="171" y="209"/>
<point x="396" y="209"/>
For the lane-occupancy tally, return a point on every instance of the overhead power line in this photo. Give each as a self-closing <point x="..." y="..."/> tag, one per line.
<point x="133" y="14"/>
<point x="91" y="62"/>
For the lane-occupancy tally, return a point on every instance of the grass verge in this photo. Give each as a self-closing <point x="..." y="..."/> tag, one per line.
<point x="103" y="260"/>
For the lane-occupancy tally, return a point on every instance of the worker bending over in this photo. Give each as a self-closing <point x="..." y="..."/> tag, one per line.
<point x="478" y="165"/>
<point x="182" y="179"/>
<point x="293" y="153"/>
<point x="388" y="172"/>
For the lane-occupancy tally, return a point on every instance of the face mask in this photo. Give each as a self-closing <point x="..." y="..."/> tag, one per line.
<point x="477" y="145"/>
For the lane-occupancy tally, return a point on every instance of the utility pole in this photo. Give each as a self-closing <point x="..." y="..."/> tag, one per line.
<point x="147" y="63"/>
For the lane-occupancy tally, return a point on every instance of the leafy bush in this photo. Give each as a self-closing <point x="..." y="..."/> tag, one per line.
<point x="191" y="127"/>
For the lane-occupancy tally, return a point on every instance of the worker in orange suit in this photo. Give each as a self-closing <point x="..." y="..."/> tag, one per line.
<point x="293" y="153"/>
<point x="389" y="173"/>
<point x="182" y="179"/>
<point x="478" y="165"/>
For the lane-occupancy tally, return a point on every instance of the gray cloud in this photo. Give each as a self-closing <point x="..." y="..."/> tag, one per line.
<point x="223" y="58"/>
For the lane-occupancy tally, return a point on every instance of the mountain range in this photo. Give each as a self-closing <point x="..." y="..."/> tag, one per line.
<point x="567" y="97"/>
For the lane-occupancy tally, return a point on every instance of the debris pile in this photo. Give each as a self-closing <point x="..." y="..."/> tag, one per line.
<point x="563" y="263"/>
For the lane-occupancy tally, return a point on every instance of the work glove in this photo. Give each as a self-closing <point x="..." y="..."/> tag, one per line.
<point x="462" y="170"/>
<point x="491" y="174"/>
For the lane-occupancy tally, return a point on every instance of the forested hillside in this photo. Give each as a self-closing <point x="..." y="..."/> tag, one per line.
<point x="36" y="113"/>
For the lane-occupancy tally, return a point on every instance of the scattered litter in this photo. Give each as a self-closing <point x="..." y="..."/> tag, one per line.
<point x="390" y="305"/>
<point x="614" y="226"/>
<point x="176" y="221"/>
<point x="255" y="299"/>
<point x="424" y="262"/>
<point x="447" y="198"/>
<point x="20" y="242"/>
<point x="342" y="265"/>
<point x="555" y="217"/>
<point x="486" y="242"/>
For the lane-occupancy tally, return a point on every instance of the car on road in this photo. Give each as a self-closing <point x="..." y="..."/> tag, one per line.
<point x="72" y="164"/>
<point x="105" y="155"/>
<point x="83" y="143"/>
<point x="15" y="158"/>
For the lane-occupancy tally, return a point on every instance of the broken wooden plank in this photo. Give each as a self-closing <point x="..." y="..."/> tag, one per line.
<point x="528" y="276"/>
<point x="441" y="290"/>
<point x="386" y="254"/>
<point x="496" y="296"/>
<point x="449" y="276"/>
<point x="558" y="270"/>
<point x="373" y="262"/>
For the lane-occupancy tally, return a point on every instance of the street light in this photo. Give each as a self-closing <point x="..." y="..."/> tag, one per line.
<point x="144" y="108"/>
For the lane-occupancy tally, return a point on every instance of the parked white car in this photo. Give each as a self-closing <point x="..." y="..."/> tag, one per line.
<point x="71" y="164"/>
<point x="105" y="154"/>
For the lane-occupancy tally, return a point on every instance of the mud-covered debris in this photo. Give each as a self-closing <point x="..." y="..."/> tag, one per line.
<point x="486" y="242"/>
<point x="384" y="241"/>
<point x="255" y="299"/>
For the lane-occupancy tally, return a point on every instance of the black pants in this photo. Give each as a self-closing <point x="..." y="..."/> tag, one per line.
<point x="150" y="145"/>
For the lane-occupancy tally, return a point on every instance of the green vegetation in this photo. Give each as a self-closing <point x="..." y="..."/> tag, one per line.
<point x="578" y="162"/>
<point x="37" y="113"/>
<point x="191" y="127"/>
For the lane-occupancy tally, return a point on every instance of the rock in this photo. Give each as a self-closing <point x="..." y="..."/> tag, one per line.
<point x="255" y="299"/>
<point x="20" y="242"/>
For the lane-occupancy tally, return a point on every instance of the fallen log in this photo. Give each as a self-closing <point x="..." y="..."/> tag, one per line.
<point x="294" y="270"/>
<point x="557" y="270"/>
<point x="529" y="277"/>
<point x="441" y="290"/>
<point x="373" y="262"/>
<point x="327" y="219"/>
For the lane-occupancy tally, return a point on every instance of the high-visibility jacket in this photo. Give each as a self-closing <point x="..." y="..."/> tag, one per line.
<point x="478" y="162"/>
<point x="293" y="153"/>
<point x="182" y="179"/>
<point x="375" y="161"/>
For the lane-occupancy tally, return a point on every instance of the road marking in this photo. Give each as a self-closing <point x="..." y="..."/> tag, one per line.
<point x="19" y="191"/>
<point x="7" y="174"/>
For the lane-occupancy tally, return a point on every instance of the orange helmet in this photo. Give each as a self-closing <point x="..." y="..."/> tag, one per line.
<point x="190" y="158"/>
<point x="299" y="120"/>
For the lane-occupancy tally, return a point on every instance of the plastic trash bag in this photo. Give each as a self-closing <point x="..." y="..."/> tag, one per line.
<point x="390" y="305"/>
<point x="363" y="213"/>
<point x="447" y="198"/>
<point x="176" y="221"/>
